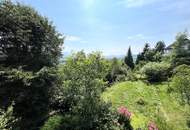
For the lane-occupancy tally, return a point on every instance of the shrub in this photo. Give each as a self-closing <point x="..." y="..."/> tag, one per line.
<point x="119" y="72"/>
<point x="152" y="126"/>
<point x="156" y="72"/>
<point x="53" y="123"/>
<point x="7" y="120"/>
<point x="124" y="118"/>
<point x="181" y="82"/>
<point x="181" y="50"/>
<point x="79" y="95"/>
<point x="30" y="93"/>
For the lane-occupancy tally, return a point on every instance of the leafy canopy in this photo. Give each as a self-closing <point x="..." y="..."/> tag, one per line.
<point x="27" y="39"/>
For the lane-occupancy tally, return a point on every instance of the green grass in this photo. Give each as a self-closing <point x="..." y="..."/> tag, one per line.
<point x="153" y="99"/>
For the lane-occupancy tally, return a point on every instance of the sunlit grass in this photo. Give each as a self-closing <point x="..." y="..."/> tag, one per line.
<point x="146" y="101"/>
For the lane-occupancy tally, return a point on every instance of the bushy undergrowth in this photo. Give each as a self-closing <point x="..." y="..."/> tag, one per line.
<point x="156" y="72"/>
<point x="181" y="82"/>
<point x="79" y="96"/>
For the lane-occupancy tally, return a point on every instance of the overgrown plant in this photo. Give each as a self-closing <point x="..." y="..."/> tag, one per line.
<point x="7" y="120"/>
<point x="181" y="82"/>
<point x="156" y="72"/>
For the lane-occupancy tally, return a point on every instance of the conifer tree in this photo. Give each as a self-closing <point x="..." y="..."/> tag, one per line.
<point x="146" y="49"/>
<point x="129" y="59"/>
<point x="160" y="46"/>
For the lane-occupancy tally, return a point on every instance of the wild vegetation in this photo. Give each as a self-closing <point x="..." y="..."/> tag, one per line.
<point x="87" y="91"/>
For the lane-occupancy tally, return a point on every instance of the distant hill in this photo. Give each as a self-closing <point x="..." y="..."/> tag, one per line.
<point x="66" y="54"/>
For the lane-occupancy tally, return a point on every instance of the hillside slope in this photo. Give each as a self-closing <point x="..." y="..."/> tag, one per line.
<point x="146" y="102"/>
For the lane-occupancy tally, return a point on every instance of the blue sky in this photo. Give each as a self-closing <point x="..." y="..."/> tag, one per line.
<point x="111" y="26"/>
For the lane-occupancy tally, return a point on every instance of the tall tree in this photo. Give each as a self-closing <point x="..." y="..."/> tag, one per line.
<point x="146" y="49"/>
<point x="31" y="45"/>
<point x="181" y="50"/>
<point x="129" y="59"/>
<point x="142" y="56"/>
<point x="160" y="46"/>
<point x="28" y="39"/>
<point x="81" y="93"/>
<point x="139" y="58"/>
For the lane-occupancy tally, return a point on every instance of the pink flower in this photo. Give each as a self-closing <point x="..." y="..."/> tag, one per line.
<point x="124" y="111"/>
<point x="152" y="126"/>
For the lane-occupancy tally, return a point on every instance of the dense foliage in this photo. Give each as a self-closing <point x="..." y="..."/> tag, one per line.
<point x="27" y="39"/>
<point x="129" y="59"/>
<point x="38" y="92"/>
<point x="156" y="72"/>
<point x="7" y="120"/>
<point x="117" y="71"/>
<point x="181" y="82"/>
<point x="31" y="45"/>
<point x="30" y="92"/>
<point x="181" y="50"/>
<point x="151" y="54"/>
<point x="79" y="95"/>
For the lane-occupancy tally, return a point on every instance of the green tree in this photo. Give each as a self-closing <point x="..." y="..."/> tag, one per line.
<point x="28" y="74"/>
<point x="156" y="72"/>
<point x="79" y="97"/>
<point x="151" y="55"/>
<point x="181" y="82"/>
<point x="160" y="47"/>
<point x="7" y="119"/>
<point x="141" y="57"/>
<point x="28" y="39"/>
<point x="181" y="50"/>
<point x="118" y="71"/>
<point x="31" y="94"/>
<point x="146" y="49"/>
<point x="129" y="59"/>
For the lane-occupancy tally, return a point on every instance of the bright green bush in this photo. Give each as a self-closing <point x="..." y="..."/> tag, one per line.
<point x="181" y="82"/>
<point x="7" y="120"/>
<point x="156" y="72"/>
<point x="119" y="72"/>
<point x="79" y="95"/>
<point x="181" y="50"/>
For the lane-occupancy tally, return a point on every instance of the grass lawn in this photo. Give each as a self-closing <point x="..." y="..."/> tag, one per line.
<point x="146" y="102"/>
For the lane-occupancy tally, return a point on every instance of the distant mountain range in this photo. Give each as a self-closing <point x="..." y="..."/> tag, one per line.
<point x="66" y="54"/>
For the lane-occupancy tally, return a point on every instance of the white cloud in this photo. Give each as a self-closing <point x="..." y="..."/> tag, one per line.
<point x="136" y="3"/>
<point x="138" y="36"/>
<point x="72" y="38"/>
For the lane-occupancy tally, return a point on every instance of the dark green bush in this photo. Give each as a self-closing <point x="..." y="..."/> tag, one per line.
<point x="156" y="72"/>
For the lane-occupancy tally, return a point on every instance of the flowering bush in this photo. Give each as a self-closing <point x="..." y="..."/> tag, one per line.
<point x="124" y="118"/>
<point x="124" y="111"/>
<point x="152" y="126"/>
